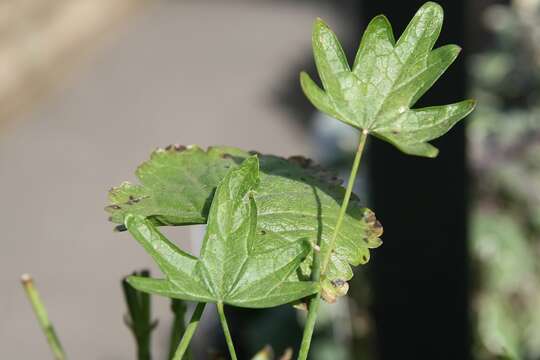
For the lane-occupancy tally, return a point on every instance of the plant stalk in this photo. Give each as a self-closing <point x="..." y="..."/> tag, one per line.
<point x="313" y="309"/>
<point x="313" y="306"/>
<point x="190" y="330"/>
<point x="138" y="318"/>
<point x="346" y="198"/>
<point x="226" y="331"/>
<point x="179" y="308"/>
<point x="42" y="317"/>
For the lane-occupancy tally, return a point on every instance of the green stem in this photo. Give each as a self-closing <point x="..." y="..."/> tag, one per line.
<point x="178" y="328"/>
<point x="42" y="317"/>
<point x="226" y="331"/>
<point x="316" y="268"/>
<point x="313" y="309"/>
<point x="346" y="198"/>
<point x="139" y="318"/>
<point x="190" y="330"/>
<point x="143" y="349"/>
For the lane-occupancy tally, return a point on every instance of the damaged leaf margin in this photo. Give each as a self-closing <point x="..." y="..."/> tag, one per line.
<point x="296" y="201"/>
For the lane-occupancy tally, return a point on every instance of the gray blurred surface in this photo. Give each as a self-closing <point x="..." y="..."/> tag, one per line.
<point x="182" y="72"/>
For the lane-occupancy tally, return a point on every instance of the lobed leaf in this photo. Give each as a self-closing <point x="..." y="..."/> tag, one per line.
<point x="386" y="80"/>
<point x="232" y="268"/>
<point x="297" y="203"/>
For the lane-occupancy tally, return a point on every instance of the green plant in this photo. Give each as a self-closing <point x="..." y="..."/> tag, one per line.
<point x="281" y="230"/>
<point x="139" y="317"/>
<point x="376" y="96"/>
<point x="42" y="317"/>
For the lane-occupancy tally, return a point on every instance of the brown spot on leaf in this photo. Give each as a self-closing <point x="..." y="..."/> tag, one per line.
<point x="369" y="217"/>
<point x="341" y="287"/>
<point x="338" y="282"/>
<point x="133" y="200"/>
<point x="378" y="228"/>
<point x="300" y="160"/>
<point x="328" y="296"/>
<point x="120" y="228"/>
<point x="175" y="147"/>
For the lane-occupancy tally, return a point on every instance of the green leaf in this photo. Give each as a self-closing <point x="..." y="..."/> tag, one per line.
<point x="296" y="202"/>
<point x="233" y="267"/>
<point x="386" y="80"/>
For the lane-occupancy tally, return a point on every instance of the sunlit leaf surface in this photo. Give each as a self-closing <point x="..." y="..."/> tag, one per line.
<point x="297" y="203"/>
<point x="235" y="266"/>
<point x="386" y="80"/>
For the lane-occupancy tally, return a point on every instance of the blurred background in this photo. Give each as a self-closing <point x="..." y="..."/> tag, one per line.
<point x="88" y="88"/>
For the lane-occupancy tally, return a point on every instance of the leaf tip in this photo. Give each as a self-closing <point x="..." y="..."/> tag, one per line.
<point x="379" y="28"/>
<point x="432" y="6"/>
<point x="305" y="82"/>
<point x="381" y="18"/>
<point x="472" y="103"/>
<point x="320" y="26"/>
<point x="468" y="107"/>
<point x="455" y="50"/>
<point x="319" y="23"/>
<point x="432" y="153"/>
<point x="252" y="163"/>
<point x="433" y="13"/>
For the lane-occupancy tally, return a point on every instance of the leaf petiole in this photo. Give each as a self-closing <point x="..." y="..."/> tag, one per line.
<point x="313" y="307"/>
<point x="347" y="197"/>
<point x="226" y="331"/>
<point x="190" y="330"/>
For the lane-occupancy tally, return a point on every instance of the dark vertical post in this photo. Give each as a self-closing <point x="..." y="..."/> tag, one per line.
<point x="420" y="272"/>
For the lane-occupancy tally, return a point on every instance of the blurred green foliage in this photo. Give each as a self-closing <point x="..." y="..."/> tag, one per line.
<point x="504" y="139"/>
